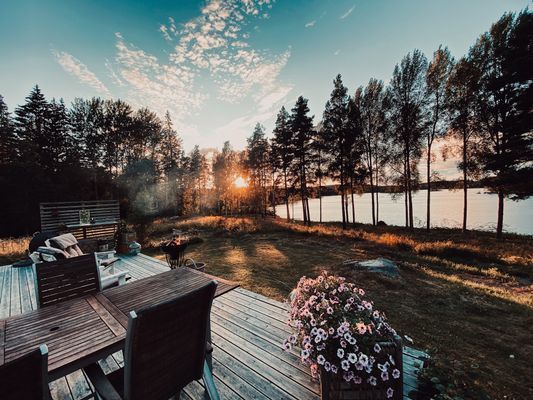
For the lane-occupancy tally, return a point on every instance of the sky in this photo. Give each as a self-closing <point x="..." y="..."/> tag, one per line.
<point x="219" y="67"/>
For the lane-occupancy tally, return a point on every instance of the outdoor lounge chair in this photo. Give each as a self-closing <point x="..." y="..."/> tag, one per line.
<point x="47" y="247"/>
<point x="165" y="350"/>
<point x="26" y="377"/>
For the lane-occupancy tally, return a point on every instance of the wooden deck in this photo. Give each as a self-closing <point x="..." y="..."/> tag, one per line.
<point x="248" y="331"/>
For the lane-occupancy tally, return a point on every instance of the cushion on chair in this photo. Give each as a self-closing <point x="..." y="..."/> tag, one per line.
<point x="66" y="242"/>
<point x="57" y="253"/>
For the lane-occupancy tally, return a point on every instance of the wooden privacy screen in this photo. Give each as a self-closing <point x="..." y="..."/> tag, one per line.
<point x="64" y="216"/>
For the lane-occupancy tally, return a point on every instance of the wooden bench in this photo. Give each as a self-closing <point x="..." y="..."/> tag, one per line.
<point x="65" y="217"/>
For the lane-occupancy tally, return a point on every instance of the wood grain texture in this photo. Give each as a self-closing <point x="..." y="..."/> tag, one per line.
<point x="248" y="331"/>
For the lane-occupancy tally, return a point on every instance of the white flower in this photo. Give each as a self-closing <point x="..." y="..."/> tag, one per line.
<point x="377" y="348"/>
<point x="327" y="366"/>
<point x="363" y="359"/>
<point x="372" y="380"/>
<point x="331" y="331"/>
<point x="352" y="340"/>
<point x="334" y="369"/>
<point x="396" y="373"/>
<point x="382" y="367"/>
<point x="352" y="358"/>
<point x="318" y="338"/>
<point x="292" y="339"/>
<point x="320" y="359"/>
<point x="314" y="331"/>
<point x="305" y="354"/>
<point x="390" y="393"/>
<point x="329" y="310"/>
<point x="340" y="353"/>
<point x="345" y="365"/>
<point x="384" y="376"/>
<point x="286" y="345"/>
<point x="391" y="359"/>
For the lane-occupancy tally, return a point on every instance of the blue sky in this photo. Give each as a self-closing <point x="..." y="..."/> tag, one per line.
<point x="217" y="66"/>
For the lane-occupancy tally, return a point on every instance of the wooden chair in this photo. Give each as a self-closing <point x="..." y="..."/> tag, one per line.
<point x="165" y="350"/>
<point x="66" y="279"/>
<point x="26" y="377"/>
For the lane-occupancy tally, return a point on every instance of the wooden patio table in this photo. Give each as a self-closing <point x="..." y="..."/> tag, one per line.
<point x="81" y="331"/>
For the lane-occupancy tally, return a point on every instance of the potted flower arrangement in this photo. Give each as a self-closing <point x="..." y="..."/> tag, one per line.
<point x="347" y="343"/>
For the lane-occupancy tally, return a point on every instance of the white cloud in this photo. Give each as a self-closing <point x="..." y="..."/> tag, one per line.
<point x="241" y="127"/>
<point x="337" y="52"/>
<point x="211" y="57"/>
<point x="347" y="13"/>
<point x="310" y="24"/>
<point x="76" y="68"/>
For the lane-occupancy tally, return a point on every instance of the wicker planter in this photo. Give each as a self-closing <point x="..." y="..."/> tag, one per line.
<point x="334" y="387"/>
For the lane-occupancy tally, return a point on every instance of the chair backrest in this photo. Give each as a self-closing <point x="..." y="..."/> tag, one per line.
<point x="26" y="377"/>
<point x="166" y="345"/>
<point x="62" y="280"/>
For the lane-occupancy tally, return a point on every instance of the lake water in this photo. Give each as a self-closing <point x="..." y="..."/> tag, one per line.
<point x="446" y="210"/>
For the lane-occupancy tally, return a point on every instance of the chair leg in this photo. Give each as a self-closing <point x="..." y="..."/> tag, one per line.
<point x="209" y="383"/>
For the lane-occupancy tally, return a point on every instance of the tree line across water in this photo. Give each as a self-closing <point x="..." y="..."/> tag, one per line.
<point x="479" y="105"/>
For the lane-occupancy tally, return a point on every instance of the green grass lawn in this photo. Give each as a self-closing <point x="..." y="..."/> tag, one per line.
<point x="467" y="299"/>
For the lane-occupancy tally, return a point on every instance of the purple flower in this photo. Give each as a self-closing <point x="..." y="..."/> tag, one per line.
<point x="357" y="380"/>
<point x="340" y="353"/>
<point x="372" y="380"/>
<point x="320" y="359"/>
<point x="390" y="393"/>
<point x="334" y="369"/>
<point x="305" y="354"/>
<point x="327" y="366"/>
<point x="396" y="373"/>
<point x="384" y="376"/>
<point x="345" y="365"/>
<point x="377" y="348"/>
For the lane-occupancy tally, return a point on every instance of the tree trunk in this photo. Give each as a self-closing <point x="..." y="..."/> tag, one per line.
<point x="410" y="191"/>
<point x="499" y="227"/>
<point x="377" y="195"/>
<point x="308" y="211"/>
<point x="428" y="213"/>
<point x="353" y="202"/>
<point x="465" y="182"/>
<point x="405" y="192"/>
<point x="342" y="204"/>
<point x="286" y="197"/>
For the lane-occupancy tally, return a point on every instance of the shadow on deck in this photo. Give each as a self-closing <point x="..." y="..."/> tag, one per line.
<point x="248" y="331"/>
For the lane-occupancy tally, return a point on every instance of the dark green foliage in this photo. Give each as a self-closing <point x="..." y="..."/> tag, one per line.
<point x="302" y="137"/>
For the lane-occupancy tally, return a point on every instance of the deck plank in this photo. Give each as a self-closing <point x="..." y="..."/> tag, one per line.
<point x="248" y="331"/>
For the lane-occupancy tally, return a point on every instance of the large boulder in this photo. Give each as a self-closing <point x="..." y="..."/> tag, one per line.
<point x="379" y="265"/>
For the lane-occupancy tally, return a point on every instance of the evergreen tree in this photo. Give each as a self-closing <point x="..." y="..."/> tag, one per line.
<point x="283" y="152"/>
<point x="336" y="136"/>
<point x="118" y="124"/>
<point x="258" y="164"/>
<point x="503" y="106"/>
<point x="7" y="135"/>
<point x="302" y="136"/>
<point x="224" y="171"/>
<point x="30" y="123"/>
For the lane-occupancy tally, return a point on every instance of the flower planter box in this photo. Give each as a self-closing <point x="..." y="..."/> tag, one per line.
<point x="334" y="387"/>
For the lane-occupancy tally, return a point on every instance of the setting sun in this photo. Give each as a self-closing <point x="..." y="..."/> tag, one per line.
<point x="240" y="182"/>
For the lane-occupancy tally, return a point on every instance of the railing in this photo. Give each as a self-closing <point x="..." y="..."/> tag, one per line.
<point x="104" y="216"/>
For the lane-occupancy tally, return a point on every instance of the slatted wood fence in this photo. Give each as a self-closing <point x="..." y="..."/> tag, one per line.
<point x="58" y="216"/>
